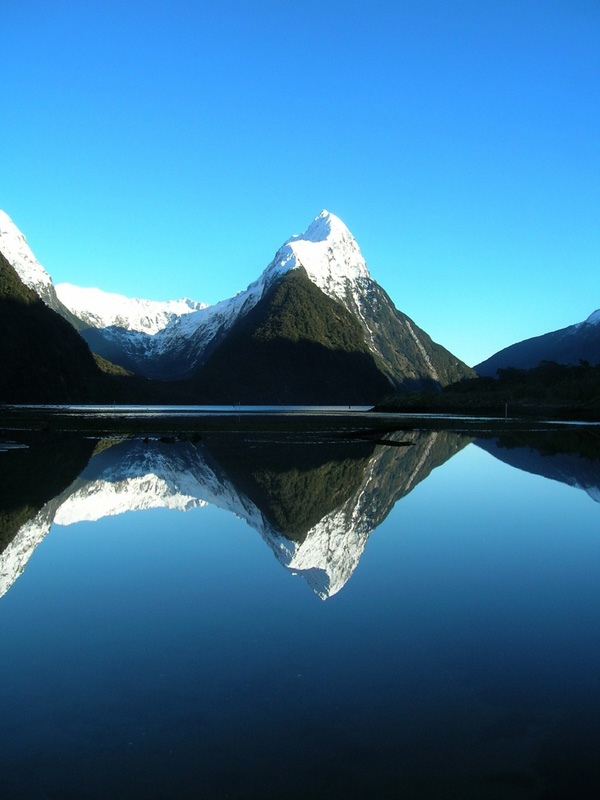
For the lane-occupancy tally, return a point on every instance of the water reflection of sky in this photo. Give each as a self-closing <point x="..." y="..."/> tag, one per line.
<point x="165" y="654"/>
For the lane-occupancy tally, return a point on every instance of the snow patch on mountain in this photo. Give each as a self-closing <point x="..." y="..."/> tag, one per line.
<point x="328" y="253"/>
<point x="423" y="351"/>
<point x="106" y="309"/>
<point x="17" y="553"/>
<point x="331" y="257"/>
<point x="329" y="553"/>
<point x="133" y="476"/>
<point x="14" y="247"/>
<point x="110" y="498"/>
<point x="594" y="318"/>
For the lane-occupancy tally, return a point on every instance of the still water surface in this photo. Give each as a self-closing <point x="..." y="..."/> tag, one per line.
<point x="296" y="617"/>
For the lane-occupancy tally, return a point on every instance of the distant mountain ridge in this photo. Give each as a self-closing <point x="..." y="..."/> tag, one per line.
<point x="536" y="452"/>
<point x="393" y="352"/>
<point x="579" y="342"/>
<point x="330" y="259"/>
<point x="100" y="309"/>
<point x="314" y="327"/>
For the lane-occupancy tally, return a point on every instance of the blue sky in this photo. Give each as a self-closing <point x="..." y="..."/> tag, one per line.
<point x="167" y="149"/>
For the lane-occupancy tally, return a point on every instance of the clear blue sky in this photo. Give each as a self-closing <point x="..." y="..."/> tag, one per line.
<point x="167" y="149"/>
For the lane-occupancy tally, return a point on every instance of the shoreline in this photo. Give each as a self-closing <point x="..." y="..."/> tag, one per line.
<point x="132" y="420"/>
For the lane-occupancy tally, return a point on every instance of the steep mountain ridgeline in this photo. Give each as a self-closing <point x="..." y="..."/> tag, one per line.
<point x="300" y="485"/>
<point x="295" y="486"/>
<point x="43" y="358"/>
<point x="31" y="478"/>
<point x="329" y="258"/>
<point x="406" y="354"/>
<point x="14" y="247"/>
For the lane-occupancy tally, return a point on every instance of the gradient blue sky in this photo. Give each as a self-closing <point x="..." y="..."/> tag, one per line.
<point x="167" y="149"/>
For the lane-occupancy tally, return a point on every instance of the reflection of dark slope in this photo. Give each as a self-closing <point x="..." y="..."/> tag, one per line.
<point x="325" y="533"/>
<point x="32" y="477"/>
<point x="394" y="472"/>
<point x="31" y="484"/>
<point x="295" y="484"/>
<point x="400" y="470"/>
<point x="572" y="457"/>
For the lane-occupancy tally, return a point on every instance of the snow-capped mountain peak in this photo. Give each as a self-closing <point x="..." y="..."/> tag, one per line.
<point x="105" y="309"/>
<point x="323" y="227"/>
<point x="177" y="339"/>
<point x="328" y="253"/>
<point x="14" y="247"/>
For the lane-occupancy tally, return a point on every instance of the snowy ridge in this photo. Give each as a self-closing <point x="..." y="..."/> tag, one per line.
<point x="328" y="556"/>
<point x="135" y="476"/>
<point x="423" y="351"/>
<point x="172" y="340"/>
<point x="14" y="247"/>
<point x="329" y="254"/>
<point x="110" y="498"/>
<point x="132" y="477"/>
<point x="332" y="548"/>
<point x="594" y="318"/>
<point x="17" y="553"/>
<point x="104" y="309"/>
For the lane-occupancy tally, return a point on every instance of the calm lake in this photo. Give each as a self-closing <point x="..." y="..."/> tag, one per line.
<point x="301" y="616"/>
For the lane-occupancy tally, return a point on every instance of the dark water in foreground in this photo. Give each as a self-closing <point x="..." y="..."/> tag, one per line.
<point x="301" y="617"/>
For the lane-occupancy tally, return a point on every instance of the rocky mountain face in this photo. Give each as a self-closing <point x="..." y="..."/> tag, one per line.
<point x="580" y="342"/>
<point x="314" y="503"/>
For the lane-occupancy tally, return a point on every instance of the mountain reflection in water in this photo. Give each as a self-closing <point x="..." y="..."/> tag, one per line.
<point x="167" y="655"/>
<point x="569" y="456"/>
<point x="314" y="501"/>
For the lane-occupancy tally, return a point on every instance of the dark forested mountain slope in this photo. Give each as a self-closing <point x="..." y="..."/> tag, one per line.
<point x="295" y="346"/>
<point x="42" y="357"/>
